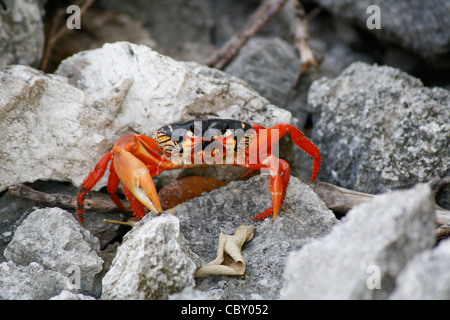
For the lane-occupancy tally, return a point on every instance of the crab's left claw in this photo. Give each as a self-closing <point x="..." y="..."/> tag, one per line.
<point x="136" y="177"/>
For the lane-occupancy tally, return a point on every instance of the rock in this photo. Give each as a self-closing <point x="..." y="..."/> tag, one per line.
<point x="182" y="28"/>
<point x="13" y="211"/>
<point x="381" y="125"/>
<point x="270" y="66"/>
<point x="153" y="261"/>
<point x="31" y="282"/>
<point x="21" y="33"/>
<point x="58" y="127"/>
<point x="193" y="294"/>
<point x="54" y="239"/>
<point x="362" y="256"/>
<point x="42" y="121"/>
<point x="399" y="22"/>
<point x="68" y="295"/>
<point x="302" y="218"/>
<point x="162" y="90"/>
<point x="426" y="277"/>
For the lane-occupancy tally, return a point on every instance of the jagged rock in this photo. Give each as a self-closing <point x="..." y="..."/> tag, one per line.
<point x="54" y="239"/>
<point x="21" y="33"/>
<point x="31" y="282"/>
<point x="426" y="277"/>
<point x="153" y="261"/>
<point x="419" y="26"/>
<point x="68" y="295"/>
<point x="380" y="129"/>
<point x="181" y="28"/>
<point x="270" y="66"/>
<point x="362" y="256"/>
<point x="302" y="218"/>
<point x="58" y="127"/>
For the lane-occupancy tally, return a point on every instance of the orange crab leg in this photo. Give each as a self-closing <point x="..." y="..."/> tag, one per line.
<point x="135" y="205"/>
<point x="297" y="136"/>
<point x="278" y="184"/>
<point x="91" y="180"/>
<point x="113" y="185"/>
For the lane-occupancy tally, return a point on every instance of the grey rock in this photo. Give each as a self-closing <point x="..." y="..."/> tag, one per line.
<point x="181" y="28"/>
<point x="379" y="129"/>
<point x="54" y="239"/>
<point x="31" y="282"/>
<point x="21" y="33"/>
<point x="68" y="295"/>
<point x="41" y="121"/>
<point x="153" y="261"/>
<point x="426" y="277"/>
<point x="270" y="65"/>
<point x="13" y="211"/>
<point x="302" y="218"/>
<point x="59" y="127"/>
<point x="162" y="90"/>
<point x="419" y="26"/>
<point x="362" y="256"/>
<point x="193" y="294"/>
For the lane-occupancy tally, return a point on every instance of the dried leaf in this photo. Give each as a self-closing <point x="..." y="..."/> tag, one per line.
<point x="229" y="259"/>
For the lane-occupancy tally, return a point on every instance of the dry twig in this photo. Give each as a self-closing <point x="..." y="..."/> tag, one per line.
<point x="263" y="14"/>
<point x="443" y="231"/>
<point x="57" y="32"/>
<point x="65" y="201"/>
<point x="308" y="58"/>
<point x="341" y="200"/>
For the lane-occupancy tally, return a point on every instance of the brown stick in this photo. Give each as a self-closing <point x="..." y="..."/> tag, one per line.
<point x="443" y="231"/>
<point x="263" y="14"/>
<point x="341" y="200"/>
<point x="57" y="32"/>
<point x="308" y="58"/>
<point x="64" y="201"/>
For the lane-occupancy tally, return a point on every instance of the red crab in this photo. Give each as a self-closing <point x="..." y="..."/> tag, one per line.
<point x="138" y="158"/>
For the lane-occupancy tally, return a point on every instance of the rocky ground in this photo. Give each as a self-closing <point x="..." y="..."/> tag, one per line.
<point x="378" y="107"/>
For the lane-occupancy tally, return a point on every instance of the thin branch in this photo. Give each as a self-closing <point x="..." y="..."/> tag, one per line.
<point x="443" y="231"/>
<point x="341" y="200"/>
<point x="263" y="14"/>
<point x="65" y="201"/>
<point x="57" y="32"/>
<point x="299" y="24"/>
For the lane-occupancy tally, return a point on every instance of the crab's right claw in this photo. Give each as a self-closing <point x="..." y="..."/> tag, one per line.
<point x="136" y="177"/>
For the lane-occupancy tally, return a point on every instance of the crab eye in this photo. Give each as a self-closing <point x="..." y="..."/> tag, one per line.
<point x="228" y="133"/>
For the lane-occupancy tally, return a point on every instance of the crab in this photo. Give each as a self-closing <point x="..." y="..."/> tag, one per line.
<point x="136" y="158"/>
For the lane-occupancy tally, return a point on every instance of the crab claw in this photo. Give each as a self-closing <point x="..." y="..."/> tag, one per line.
<point x="136" y="177"/>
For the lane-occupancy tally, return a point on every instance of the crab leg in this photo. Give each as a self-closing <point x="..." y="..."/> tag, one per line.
<point x="113" y="185"/>
<point x="135" y="205"/>
<point x="297" y="136"/>
<point x="91" y="180"/>
<point x="279" y="180"/>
